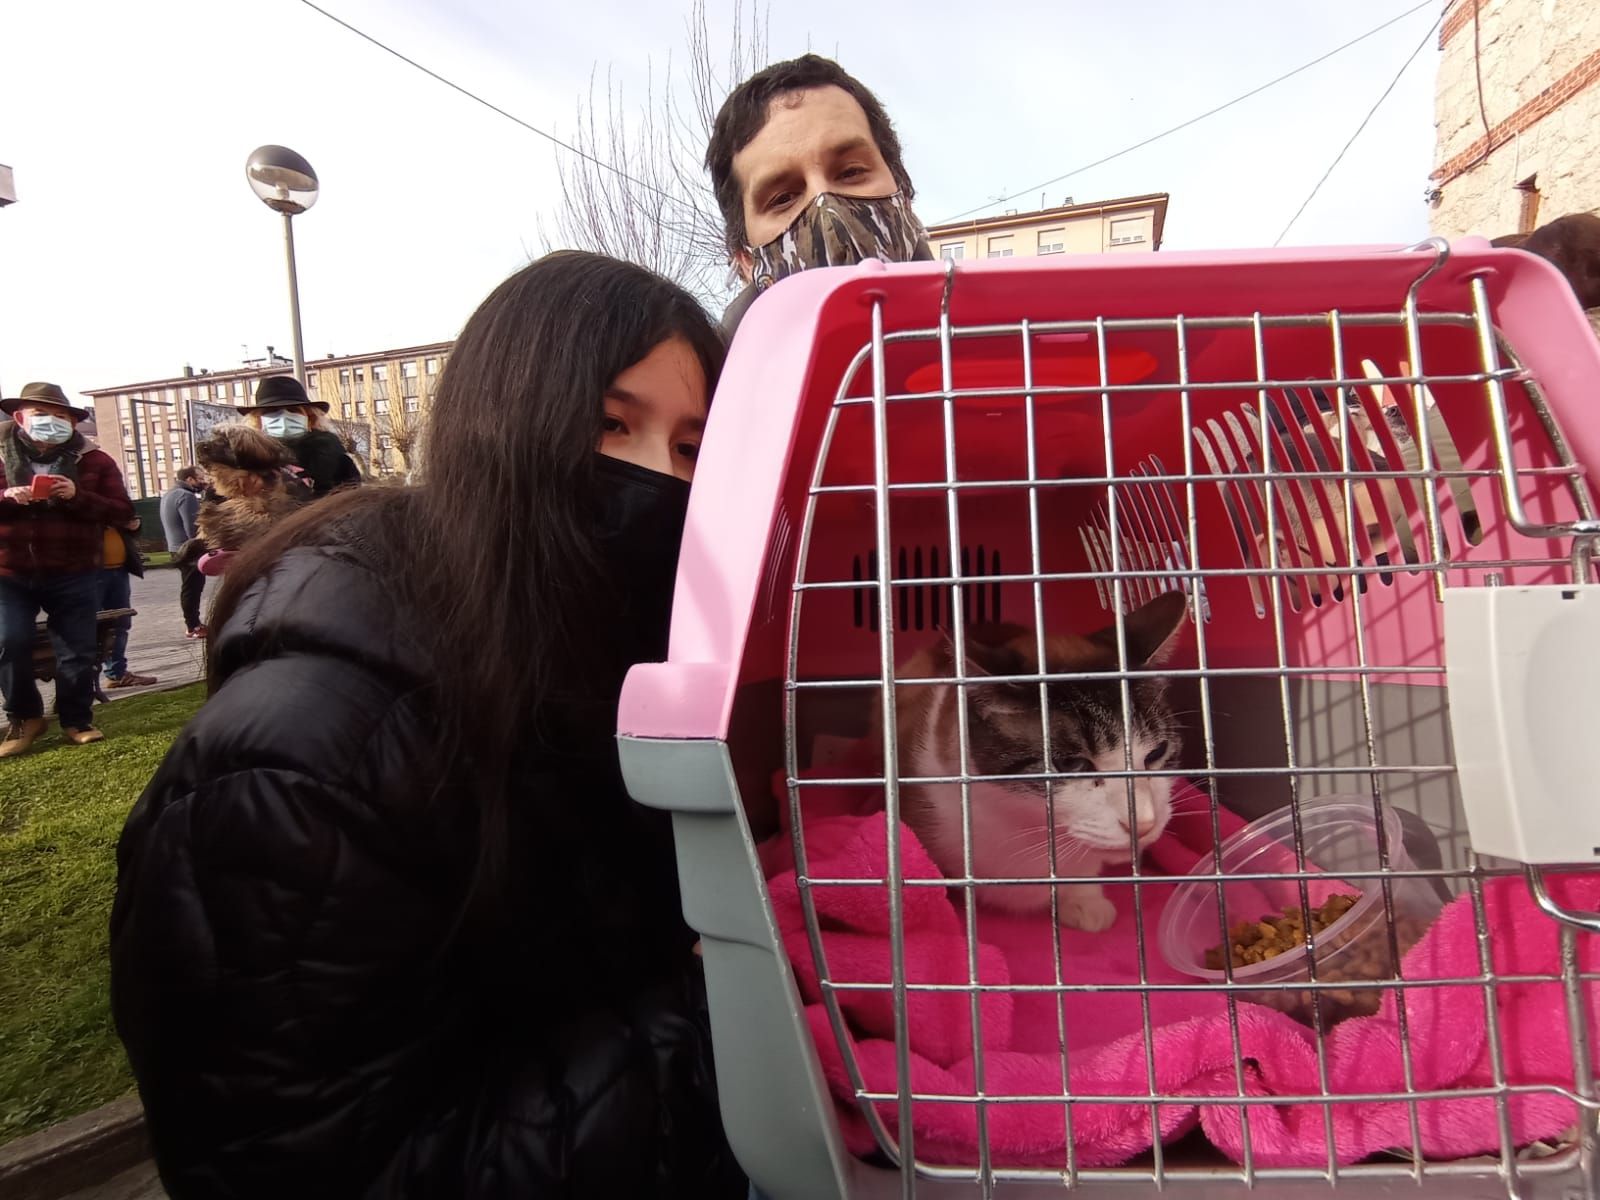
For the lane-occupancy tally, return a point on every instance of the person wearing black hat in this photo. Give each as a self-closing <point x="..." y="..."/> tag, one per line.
<point x="57" y="495"/>
<point x="282" y="410"/>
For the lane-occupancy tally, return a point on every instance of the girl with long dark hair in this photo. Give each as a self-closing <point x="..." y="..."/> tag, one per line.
<point x="387" y="923"/>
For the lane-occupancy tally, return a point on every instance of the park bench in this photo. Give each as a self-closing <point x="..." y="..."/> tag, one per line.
<point x="44" y="654"/>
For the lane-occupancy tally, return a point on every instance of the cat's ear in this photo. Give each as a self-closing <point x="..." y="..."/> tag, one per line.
<point x="1151" y="630"/>
<point x="986" y="657"/>
<point x="987" y="654"/>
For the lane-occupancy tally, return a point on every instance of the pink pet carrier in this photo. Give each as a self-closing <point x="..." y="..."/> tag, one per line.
<point x="1364" y="471"/>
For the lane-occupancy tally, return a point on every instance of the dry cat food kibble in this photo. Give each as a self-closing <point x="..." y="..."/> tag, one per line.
<point x="1358" y="955"/>
<point x="1257" y="941"/>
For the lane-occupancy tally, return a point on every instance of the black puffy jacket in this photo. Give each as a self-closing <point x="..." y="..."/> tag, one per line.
<point x="300" y="1018"/>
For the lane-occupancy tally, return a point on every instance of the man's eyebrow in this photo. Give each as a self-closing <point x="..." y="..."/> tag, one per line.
<point x="851" y="145"/>
<point x="765" y="183"/>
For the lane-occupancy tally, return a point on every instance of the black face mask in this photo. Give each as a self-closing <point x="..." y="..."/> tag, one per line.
<point x="639" y="526"/>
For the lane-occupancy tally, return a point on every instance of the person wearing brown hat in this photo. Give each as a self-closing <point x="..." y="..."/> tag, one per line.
<point x="57" y="495"/>
<point x="282" y="410"/>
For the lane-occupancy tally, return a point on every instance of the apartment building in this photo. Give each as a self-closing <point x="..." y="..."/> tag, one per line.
<point x="1133" y="223"/>
<point x="376" y="403"/>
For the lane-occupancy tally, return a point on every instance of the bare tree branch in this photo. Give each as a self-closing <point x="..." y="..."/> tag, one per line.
<point x="671" y="224"/>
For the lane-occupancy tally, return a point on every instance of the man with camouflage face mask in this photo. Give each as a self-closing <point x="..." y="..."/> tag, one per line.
<point x="807" y="172"/>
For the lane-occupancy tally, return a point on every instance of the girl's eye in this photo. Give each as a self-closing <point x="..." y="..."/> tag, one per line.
<point x="613" y="425"/>
<point x="689" y="450"/>
<point x="1076" y="766"/>
<point x="1156" y="756"/>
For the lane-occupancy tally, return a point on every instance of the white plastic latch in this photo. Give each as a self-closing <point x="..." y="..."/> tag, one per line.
<point x="1523" y="676"/>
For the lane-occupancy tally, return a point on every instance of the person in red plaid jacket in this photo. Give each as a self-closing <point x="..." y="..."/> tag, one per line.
<point x="57" y="495"/>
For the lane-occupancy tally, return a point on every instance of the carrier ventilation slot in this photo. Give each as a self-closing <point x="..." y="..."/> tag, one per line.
<point x="1149" y="536"/>
<point x="927" y="606"/>
<point x="1308" y="515"/>
<point x="775" y="592"/>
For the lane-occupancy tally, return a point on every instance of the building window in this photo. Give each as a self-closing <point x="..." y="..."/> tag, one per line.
<point x="344" y="376"/>
<point x="380" y="372"/>
<point x="1528" y="216"/>
<point x="951" y="251"/>
<point x="127" y="433"/>
<point x="408" y="370"/>
<point x="222" y="391"/>
<point x="361" y="408"/>
<point x="412" y="404"/>
<point x="380" y="407"/>
<point x="1002" y="247"/>
<point x="432" y="366"/>
<point x="161" y="454"/>
<point x="1052" y="241"/>
<point x="385" y="442"/>
<point x="358" y="374"/>
<point x="1127" y="231"/>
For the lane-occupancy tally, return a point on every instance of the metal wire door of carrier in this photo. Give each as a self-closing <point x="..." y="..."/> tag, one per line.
<point x="1312" y="479"/>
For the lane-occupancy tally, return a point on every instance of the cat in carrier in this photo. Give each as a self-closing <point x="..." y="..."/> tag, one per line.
<point x="1086" y="826"/>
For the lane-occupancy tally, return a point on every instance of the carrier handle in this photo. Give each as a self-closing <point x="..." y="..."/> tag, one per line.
<point x="1588" y="922"/>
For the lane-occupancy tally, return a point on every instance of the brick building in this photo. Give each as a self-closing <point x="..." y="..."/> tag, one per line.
<point x="1517" y="112"/>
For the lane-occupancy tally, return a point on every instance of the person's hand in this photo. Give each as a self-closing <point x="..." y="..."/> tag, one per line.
<point x="63" y="488"/>
<point x="21" y="495"/>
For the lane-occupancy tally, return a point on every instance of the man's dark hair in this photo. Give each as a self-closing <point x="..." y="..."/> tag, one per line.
<point x="188" y="474"/>
<point x="744" y="114"/>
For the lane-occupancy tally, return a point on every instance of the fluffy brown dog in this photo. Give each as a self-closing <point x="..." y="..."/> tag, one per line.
<point x="250" y="489"/>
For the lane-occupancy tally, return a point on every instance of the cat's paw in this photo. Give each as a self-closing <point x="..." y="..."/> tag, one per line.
<point x="1086" y="908"/>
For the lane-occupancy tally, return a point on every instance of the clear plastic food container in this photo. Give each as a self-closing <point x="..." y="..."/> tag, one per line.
<point x="1267" y="942"/>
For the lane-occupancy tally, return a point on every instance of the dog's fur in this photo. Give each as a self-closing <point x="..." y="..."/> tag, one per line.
<point x="1572" y="243"/>
<point x="249" y="491"/>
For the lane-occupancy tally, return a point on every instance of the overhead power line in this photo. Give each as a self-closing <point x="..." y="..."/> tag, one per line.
<point x="1256" y="91"/>
<point x="490" y="105"/>
<point x="1372" y="112"/>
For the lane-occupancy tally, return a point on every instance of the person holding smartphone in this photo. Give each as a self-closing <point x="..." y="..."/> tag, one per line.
<point x="57" y="495"/>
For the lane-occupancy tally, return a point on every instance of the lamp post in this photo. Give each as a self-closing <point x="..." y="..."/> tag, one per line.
<point x="138" y="442"/>
<point x="286" y="184"/>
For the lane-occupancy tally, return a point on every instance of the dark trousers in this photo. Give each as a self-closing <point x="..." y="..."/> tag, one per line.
<point x="70" y="603"/>
<point x="116" y="591"/>
<point x="190" y="585"/>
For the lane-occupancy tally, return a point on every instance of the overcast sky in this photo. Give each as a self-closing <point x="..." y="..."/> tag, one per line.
<point x="136" y="246"/>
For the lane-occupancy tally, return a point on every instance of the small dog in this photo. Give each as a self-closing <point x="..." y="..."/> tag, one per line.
<point x="251" y="489"/>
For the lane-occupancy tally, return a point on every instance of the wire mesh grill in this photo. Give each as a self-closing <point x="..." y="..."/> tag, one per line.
<point x="1311" y="482"/>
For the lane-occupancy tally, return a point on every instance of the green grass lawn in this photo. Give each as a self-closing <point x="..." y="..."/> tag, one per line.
<point x="158" y="558"/>
<point x="61" y="810"/>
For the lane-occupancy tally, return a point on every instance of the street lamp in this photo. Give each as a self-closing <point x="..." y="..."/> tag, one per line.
<point x="138" y="442"/>
<point x="286" y="184"/>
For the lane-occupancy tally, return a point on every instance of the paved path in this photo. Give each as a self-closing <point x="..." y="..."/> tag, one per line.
<point x="157" y="645"/>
